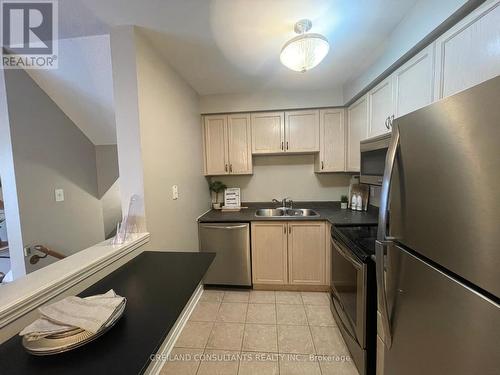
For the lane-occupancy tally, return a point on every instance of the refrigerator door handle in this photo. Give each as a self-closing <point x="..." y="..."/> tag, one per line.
<point x="390" y="160"/>
<point x="380" y="251"/>
<point x="383" y="239"/>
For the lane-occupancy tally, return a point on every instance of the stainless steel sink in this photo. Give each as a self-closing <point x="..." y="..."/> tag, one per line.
<point x="285" y="212"/>
<point x="270" y="212"/>
<point x="302" y="212"/>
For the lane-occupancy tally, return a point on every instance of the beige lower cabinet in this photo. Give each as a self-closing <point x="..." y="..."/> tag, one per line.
<point x="306" y="253"/>
<point x="289" y="253"/>
<point x="269" y="253"/>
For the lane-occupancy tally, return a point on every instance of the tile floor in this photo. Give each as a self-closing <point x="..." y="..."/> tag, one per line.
<point x="260" y="332"/>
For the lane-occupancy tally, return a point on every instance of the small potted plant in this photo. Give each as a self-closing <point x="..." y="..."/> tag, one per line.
<point x="343" y="202"/>
<point x="216" y="187"/>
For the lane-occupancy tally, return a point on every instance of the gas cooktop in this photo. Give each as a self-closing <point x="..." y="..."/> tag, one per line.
<point x="360" y="239"/>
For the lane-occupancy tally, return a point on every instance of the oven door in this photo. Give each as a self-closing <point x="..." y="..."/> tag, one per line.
<point x="349" y="291"/>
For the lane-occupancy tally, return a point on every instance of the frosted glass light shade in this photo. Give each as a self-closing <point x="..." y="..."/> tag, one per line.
<point x="304" y="52"/>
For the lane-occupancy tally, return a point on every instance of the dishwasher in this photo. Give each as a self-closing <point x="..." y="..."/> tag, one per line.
<point x="231" y="243"/>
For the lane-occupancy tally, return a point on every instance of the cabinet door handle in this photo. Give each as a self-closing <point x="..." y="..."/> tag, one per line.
<point x="225" y="168"/>
<point x="284" y="229"/>
<point x="287" y="145"/>
<point x="289" y="229"/>
<point x="282" y="145"/>
<point x="392" y="120"/>
<point x="230" y="168"/>
<point x="322" y="165"/>
<point x="387" y="122"/>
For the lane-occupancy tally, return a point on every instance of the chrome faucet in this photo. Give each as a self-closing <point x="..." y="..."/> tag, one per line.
<point x="284" y="201"/>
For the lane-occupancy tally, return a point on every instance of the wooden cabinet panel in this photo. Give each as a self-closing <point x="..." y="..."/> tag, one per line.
<point x="468" y="53"/>
<point x="302" y="131"/>
<point x="239" y="144"/>
<point x="307" y="253"/>
<point x="215" y="145"/>
<point x="380" y="108"/>
<point x="268" y="132"/>
<point x="331" y="156"/>
<point x="414" y="83"/>
<point x="357" y="129"/>
<point x="269" y="253"/>
<point x="328" y="249"/>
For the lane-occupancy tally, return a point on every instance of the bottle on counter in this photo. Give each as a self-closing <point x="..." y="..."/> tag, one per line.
<point x="354" y="201"/>
<point x="359" y="202"/>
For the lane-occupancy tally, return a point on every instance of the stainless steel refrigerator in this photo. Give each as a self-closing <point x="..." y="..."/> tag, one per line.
<point x="438" y="248"/>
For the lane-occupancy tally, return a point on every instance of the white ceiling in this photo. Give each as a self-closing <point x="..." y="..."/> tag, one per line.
<point x="217" y="46"/>
<point x="82" y="86"/>
<point x="233" y="46"/>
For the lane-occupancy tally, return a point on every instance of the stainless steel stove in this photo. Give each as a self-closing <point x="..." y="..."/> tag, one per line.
<point x="354" y="292"/>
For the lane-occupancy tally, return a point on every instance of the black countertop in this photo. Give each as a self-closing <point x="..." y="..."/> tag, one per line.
<point x="157" y="285"/>
<point x="328" y="211"/>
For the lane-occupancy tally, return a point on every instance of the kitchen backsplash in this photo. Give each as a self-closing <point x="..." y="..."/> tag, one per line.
<point x="375" y="195"/>
<point x="288" y="176"/>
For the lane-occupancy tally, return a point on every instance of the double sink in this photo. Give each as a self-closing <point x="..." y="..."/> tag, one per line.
<point x="285" y="212"/>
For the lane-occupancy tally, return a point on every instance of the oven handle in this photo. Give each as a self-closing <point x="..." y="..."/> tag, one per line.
<point x="342" y="320"/>
<point x="347" y="256"/>
<point x="384" y="241"/>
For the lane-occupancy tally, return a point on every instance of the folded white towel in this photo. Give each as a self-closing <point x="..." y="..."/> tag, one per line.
<point x="90" y="313"/>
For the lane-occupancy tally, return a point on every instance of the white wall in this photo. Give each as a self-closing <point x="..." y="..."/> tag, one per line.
<point x="270" y="100"/>
<point x="423" y="18"/>
<point x="127" y="119"/>
<point x="50" y="152"/>
<point x="288" y="176"/>
<point x="9" y="189"/>
<point x="82" y="86"/>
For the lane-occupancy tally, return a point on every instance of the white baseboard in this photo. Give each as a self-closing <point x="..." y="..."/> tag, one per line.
<point x="166" y="347"/>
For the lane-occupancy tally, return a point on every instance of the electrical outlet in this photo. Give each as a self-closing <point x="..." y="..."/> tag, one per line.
<point x="175" y="192"/>
<point x="59" y="194"/>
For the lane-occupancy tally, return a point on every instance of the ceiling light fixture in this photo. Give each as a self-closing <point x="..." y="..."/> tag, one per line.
<point x="305" y="51"/>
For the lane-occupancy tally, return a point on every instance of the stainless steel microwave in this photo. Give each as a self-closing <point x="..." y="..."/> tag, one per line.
<point x="373" y="153"/>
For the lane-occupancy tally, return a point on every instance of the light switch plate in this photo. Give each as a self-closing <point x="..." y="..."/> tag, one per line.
<point x="175" y="192"/>
<point x="59" y="194"/>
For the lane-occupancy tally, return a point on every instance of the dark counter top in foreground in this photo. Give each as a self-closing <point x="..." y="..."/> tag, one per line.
<point x="157" y="286"/>
<point x="328" y="211"/>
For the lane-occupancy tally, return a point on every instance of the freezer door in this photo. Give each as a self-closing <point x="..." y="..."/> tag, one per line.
<point x="438" y="325"/>
<point x="444" y="200"/>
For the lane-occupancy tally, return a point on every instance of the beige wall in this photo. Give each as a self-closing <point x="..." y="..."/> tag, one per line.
<point x="107" y="167"/>
<point x="288" y="176"/>
<point x="171" y="151"/>
<point x="50" y="152"/>
<point x="165" y="139"/>
<point x="108" y="187"/>
<point x="270" y="100"/>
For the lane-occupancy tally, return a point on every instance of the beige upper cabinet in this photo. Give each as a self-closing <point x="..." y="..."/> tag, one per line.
<point x="269" y="253"/>
<point x="215" y="145"/>
<point x="380" y="108"/>
<point x="302" y="131"/>
<point x="227" y="144"/>
<point x="331" y="157"/>
<point x="282" y="132"/>
<point x="239" y="136"/>
<point x="268" y="132"/>
<point x="357" y="129"/>
<point x="468" y="53"/>
<point x="307" y="253"/>
<point x="413" y="83"/>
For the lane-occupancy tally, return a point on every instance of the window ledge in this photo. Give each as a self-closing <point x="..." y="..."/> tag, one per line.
<point x="28" y="293"/>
